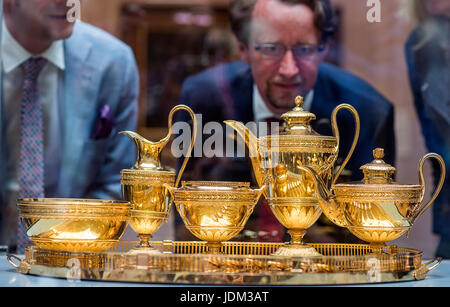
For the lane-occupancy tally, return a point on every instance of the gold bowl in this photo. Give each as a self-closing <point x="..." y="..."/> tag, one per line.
<point x="297" y="215"/>
<point x="215" y="211"/>
<point x="76" y="225"/>
<point x="381" y="205"/>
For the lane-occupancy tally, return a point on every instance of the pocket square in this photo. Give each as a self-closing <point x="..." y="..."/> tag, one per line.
<point x="104" y="124"/>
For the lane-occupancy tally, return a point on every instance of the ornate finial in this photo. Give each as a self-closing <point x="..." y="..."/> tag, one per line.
<point x="378" y="153"/>
<point x="298" y="101"/>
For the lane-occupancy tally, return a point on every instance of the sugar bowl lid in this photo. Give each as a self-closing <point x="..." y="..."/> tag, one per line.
<point x="378" y="171"/>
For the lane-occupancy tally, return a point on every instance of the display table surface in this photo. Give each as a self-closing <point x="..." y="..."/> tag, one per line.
<point x="9" y="277"/>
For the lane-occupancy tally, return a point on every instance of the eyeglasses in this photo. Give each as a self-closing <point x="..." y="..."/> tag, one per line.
<point x="300" y="52"/>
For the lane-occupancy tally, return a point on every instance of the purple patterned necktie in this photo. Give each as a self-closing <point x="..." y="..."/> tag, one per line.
<point x="31" y="166"/>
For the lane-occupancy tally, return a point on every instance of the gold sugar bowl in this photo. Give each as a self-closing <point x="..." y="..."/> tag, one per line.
<point x="279" y="157"/>
<point x="74" y="225"/>
<point x="215" y="211"/>
<point x="377" y="210"/>
<point x="144" y="184"/>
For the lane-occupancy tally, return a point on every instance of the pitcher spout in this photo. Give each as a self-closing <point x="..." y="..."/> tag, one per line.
<point x="148" y="152"/>
<point x="252" y="143"/>
<point x="327" y="200"/>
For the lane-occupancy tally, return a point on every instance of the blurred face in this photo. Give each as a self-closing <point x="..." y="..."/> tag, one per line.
<point x="438" y="7"/>
<point x="282" y="52"/>
<point x="44" y="19"/>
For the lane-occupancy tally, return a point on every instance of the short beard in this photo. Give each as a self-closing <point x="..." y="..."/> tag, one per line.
<point x="286" y="102"/>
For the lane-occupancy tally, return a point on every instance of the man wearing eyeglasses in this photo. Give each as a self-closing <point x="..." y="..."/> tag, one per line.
<point x="282" y="45"/>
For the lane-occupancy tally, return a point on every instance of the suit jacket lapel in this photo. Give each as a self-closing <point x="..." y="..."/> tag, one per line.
<point x="79" y="94"/>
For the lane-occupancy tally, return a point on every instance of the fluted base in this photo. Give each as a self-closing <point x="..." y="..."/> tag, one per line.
<point x="214" y="247"/>
<point x="144" y="250"/>
<point x="296" y="248"/>
<point x="144" y="246"/>
<point x="296" y="251"/>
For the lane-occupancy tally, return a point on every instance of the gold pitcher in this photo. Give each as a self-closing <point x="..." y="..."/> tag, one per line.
<point x="377" y="210"/>
<point x="143" y="185"/>
<point x="291" y="192"/>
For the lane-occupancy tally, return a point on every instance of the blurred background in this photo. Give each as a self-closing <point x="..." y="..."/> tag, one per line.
<point x="173" y="39"/>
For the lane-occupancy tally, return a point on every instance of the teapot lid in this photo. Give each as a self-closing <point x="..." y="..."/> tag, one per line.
<point x="378" y="171"/>
<point x="298" y="119"/>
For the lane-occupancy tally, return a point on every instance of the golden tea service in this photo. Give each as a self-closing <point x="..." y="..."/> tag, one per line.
<point x="143" y="185"/>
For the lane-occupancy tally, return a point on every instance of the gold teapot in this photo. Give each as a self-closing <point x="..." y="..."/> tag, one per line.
<point x="291" y="191"/>
<point x="377" y="210"/>
<point x="280" y="156"/>
<point x="143" y="185"/>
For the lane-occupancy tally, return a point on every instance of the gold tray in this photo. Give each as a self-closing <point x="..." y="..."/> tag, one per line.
<point x="241" y="263"/>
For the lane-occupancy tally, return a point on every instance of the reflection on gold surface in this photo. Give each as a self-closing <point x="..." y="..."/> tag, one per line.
<point x="74" y="224"/>
<point x="215" y="211"/>
<point x="281" y="158"/>
<point x="282" y="155"/>
<point x="297" y="215"/>
<point x="243" y="263"/>
<point x="378" y="209"/>
<point x="145" y="184"/>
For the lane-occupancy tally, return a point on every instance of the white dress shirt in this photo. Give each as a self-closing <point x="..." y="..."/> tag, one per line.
<point x="51" y="88"/>
<point x="262" y="112"/>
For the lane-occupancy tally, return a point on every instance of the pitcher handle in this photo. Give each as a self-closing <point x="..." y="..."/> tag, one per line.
<point x="422" y="182"/>
<point x="336" y="134"/>
<point x="193" y="136"/>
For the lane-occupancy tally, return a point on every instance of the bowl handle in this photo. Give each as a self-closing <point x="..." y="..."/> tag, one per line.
<point x="423" y="270"/>
<point x="169" y="190"/>
<point x="23" y="267"/>
<point x="422" y="182"/>
<point x="336" y="134"/>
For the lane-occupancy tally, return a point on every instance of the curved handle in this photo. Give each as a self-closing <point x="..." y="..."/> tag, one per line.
<point x="170" y="196"/>
<point x="423" y="270"/>
<point x="193" y="136"/>
<point x="422" y="182"/>
<point x="336" y="134"/>
<point x="23" y="267"/>
<point x="262" y="189"/>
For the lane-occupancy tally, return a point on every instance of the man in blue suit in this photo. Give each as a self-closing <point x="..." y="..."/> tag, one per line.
<point x="282" y="44"/>
<point x="428" y="59"/>
<point x="83" y="88"/>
